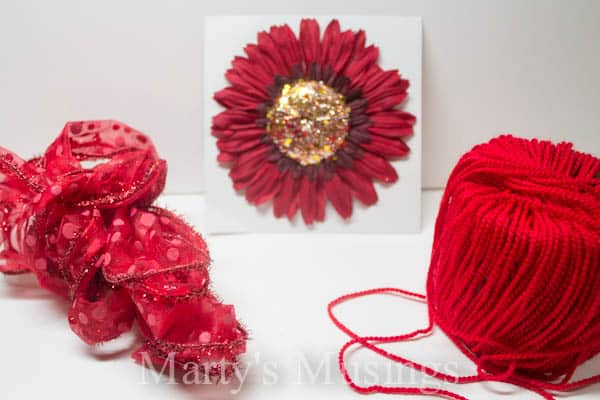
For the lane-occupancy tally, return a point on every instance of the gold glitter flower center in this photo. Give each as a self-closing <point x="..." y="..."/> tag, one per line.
<point x="309" y="121"/>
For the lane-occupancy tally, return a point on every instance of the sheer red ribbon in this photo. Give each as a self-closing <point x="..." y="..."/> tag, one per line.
<point x="91" y="235"/>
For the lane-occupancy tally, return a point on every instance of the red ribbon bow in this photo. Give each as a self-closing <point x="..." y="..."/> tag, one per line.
<point x="91" y="235"/>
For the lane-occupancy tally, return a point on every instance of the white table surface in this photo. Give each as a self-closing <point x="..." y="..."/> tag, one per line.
<point x="280" y="285"/>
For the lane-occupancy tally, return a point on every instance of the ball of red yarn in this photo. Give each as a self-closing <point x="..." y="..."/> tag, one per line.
<point x="514" y="278"/>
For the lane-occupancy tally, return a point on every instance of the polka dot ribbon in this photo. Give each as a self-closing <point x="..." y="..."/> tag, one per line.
<point x="80" y="218"/>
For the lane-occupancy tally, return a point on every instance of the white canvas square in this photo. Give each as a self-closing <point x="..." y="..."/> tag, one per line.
<point x="398" y="209"/>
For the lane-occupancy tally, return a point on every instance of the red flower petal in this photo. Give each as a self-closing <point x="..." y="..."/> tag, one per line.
<point x="262" y="61"/>
<point x="307" y="199"/>
<point x="233" y="98"/>
<point x="319" y="203"/>
<point x="254" y="67"/>
<point x="380" y="79"/>
<point x="230" y="118"/>
<point x="287" y="44"/>
<point x="387" y="100"/>
<point x="268" y="46"/>
<point x="243" y="176"/>
<point x="250" y="133"/>
<point x="378" y="85"/>
<point x="259" y="153"/>
<point x="237" y="146"/>
<point x="330" y="40"/>
<point x="358" y="69"/>
<point x="360" y="186"/>
<point x="282" y="204"/>
<point x="360" y="41"/>
<point x="392" y="119"/>
<point x="294" y="205"/>
<point x="339" y="195"/>
<point x="343" y="51"/>
<point x="386" y="146"/>
<point x="376" y="167"/>
<point x="225" y="158"/>
<point x="245" y="169"/>
<point x="309" y="40"/>
<point x="243" y="84"/>
<point x="265" y="187"/>
<point x="391" y="132"/>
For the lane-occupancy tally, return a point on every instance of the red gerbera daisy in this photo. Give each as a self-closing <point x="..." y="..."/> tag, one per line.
<point x="309" y="120"/>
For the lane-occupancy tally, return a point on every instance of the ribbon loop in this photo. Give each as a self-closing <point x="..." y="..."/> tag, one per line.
<point x="89" y="234"/>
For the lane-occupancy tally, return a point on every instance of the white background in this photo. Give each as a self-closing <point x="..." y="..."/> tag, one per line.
<point x="398" y="206"/>
<point x="528" y="67"/>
